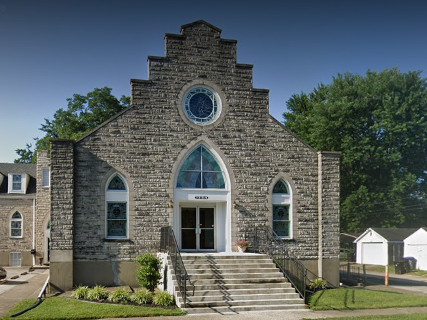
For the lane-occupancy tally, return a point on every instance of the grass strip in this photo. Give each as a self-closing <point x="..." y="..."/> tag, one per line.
<point x="64" y="308"/>
<point x="350" y="299"/>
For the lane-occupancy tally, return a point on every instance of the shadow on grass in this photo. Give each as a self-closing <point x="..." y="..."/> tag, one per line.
<point x="344" y="299"/>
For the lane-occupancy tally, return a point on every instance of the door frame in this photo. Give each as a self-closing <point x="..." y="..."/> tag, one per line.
<point x="197" y="206"/>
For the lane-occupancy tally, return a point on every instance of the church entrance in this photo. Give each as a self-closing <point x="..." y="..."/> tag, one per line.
<point x="197" y="229"/>
<point x="201" y="206"/>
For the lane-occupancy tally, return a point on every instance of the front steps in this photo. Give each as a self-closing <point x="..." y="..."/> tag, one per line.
<point x="234" y="283"/>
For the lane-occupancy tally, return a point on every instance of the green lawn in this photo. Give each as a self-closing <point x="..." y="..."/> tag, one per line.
<point x="348" y="299"/>
<point x="63" y="308"/>
<point x="415" y="316"/>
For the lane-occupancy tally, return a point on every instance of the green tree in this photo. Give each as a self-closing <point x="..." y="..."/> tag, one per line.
<point x="378" y="122"/>
<point x="83" y="114"/>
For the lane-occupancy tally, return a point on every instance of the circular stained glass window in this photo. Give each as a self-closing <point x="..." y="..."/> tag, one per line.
<point x="201" y="105"/>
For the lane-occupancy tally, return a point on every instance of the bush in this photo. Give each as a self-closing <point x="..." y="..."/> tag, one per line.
<point x="97" y="293"/>
<point x="317" y="284"/>
<point x="120" y="295"/>
<point x="148" y="273"/>
<point x="81" y="292"/>
<point x="163" y="299"/>
<point x="142" y="296"/>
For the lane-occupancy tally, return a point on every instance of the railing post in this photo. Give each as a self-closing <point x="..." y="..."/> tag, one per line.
<point x="348" y="270"/>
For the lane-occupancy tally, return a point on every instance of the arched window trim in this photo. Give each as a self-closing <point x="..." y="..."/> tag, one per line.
<point x="120" y="199"/>
<point x="14" y="222"/>
<point x="283" y="200"/>
<point x="216" y="158"/>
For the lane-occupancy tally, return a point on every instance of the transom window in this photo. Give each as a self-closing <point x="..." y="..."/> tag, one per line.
<point x="201" y="105"/>
<point x="282" y="215"/>
<point x="280" y="187"/>
<point x="116" y="208"/>
<point x="201" y="171"/>
<point x="16" y="225"/>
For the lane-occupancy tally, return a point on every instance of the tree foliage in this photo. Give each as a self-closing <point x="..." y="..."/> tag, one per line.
<point x="83" y="114"/>
<point x="378" y="122"/>
<point x="148" y="273"/>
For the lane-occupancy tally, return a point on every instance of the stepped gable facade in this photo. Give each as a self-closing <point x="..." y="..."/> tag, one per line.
<point x="198" y="151"/>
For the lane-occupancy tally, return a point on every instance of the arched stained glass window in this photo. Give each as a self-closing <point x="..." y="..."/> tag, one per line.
<point x="16" y="225"/>
<point x="201" y="171"/>
<point x="282" y="209"/>
<point x="116" y="208"/>
<point x="280" y="187"/>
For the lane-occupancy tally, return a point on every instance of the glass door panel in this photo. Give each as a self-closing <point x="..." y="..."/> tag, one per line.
<point x="206" y="224"/>
<point x="188" y="228"/>
<point x="197" y="229"/>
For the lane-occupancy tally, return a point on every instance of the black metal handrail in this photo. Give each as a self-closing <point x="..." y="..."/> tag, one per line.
<point x="266" y="241"/>
<point x="168" y="244"/>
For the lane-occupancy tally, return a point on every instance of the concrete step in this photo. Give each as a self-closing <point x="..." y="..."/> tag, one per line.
<point x="229" y="310"/>
<point x="221" y="260"/>
<point x="235" y="255"/>
<point x="235" y="276"/>
<point x="247" y="291"/>
<point x="240" y="286"/>
<point x="241" y="303"/>
<point x="244" y="270"/>
<point x="236" y="281"/>
<point x="229" y="266"/>
<point x="248" y="297"/>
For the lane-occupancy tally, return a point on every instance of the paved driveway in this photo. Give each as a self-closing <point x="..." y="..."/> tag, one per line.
<point x="406" y="282"/>
<point x="27" y="285"/>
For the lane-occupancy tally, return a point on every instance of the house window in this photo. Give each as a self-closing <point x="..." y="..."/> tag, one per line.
<point x="16" y="225"/>
<point x="45" y="177"/>
<point x="16" y="182"/>
<point x="116" y="208"/>
<point x="15" y="259"/>
<point x="201" y="171"/>
<point x="282" y="209"/>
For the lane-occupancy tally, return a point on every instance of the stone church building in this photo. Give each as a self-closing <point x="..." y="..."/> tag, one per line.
<point x="197" y="151"/>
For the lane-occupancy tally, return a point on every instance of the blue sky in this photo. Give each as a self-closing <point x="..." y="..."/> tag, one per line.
<point x="50" y="50"/>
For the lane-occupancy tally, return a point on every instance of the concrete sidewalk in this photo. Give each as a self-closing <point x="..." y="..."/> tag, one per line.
<point x="25" y="286"/>
<point x="292" y="315"/>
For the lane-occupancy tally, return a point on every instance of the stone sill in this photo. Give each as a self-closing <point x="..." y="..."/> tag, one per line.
<point x="117" y="240"/>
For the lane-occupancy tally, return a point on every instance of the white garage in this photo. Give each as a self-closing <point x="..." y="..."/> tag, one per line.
<point x="415" y="246"/>
<point x="381" y="246"/>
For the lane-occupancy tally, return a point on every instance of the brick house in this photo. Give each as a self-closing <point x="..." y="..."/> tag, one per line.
<point x="25" y="212"/>
<point x="198" y="151"/>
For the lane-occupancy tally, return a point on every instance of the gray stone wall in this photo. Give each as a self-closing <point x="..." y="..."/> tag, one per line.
<point x="144" y="144"/>
<point x="42" y="206"/>
<point x="62" y="194"/>
<point x="331" y="204"/>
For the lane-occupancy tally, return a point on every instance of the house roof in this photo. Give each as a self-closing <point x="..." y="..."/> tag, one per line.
<point x="392" y="234"/>
<point x="7" y="168"/>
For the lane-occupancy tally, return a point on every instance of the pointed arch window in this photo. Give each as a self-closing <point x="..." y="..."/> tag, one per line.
<point x="282" y="209"/>
<point x="116" y="198"/>
<point x="201" y="170"/>
<point x="16" y="225"/>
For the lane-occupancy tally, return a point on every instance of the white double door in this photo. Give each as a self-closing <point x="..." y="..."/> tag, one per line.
<point x="197" y="228"/>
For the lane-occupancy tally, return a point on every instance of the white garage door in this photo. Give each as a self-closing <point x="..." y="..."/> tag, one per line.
<point x="372" y="253"/>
